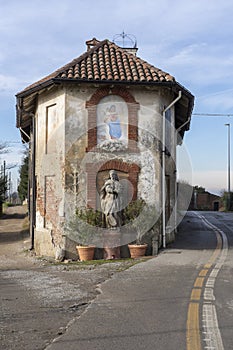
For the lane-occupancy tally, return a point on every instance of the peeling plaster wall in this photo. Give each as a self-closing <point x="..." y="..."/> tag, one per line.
<point x="149" y="136"/>
<point x="76" y="117"/>
<point x="49" y="171"/>
<point x="148" y="158"/>
<point x="66" y="169"/>
<point x="152" y="104"/>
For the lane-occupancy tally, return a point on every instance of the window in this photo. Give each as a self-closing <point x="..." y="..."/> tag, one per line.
<point x="51" y="126"/>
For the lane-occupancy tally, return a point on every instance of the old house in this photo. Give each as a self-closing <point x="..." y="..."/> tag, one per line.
<point x="204" y="200"/>
<point x="106" y="110"/>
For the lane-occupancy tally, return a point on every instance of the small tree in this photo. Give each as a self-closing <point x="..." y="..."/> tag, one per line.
<point x="3" y="177"/>
<point x="227" y="199"/>
<point x="3" y="187"/>
<point x="3" y="148"/>
<point x="23" y="183"/>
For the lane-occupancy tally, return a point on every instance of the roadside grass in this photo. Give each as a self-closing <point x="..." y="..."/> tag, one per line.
<point x="120" y="264"/>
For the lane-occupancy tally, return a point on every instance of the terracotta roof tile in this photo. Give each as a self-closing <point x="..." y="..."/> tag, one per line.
<point x="108" y="62"/>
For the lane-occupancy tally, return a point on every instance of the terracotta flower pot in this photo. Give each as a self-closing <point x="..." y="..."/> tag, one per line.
<point x="137" y="250"/>
<point x="85" y="252"/>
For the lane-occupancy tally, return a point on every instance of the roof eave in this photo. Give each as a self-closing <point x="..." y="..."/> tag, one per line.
<point x="36" y="88"/>
<point x="53" y="81"/>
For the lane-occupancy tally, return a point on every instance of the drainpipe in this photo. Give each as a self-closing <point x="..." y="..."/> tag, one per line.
<point x="30" y="183"/>
<point x="181" y="127"/>
<point x="33" y="185"/>
<point x="163" y="168"/>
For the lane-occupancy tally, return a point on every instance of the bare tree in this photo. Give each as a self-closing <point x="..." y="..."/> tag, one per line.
<point x="3" y="147"/>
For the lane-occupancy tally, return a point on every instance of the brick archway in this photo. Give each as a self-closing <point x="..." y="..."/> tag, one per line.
<point x="92" y="170"/>
<point x="133" y="108"/>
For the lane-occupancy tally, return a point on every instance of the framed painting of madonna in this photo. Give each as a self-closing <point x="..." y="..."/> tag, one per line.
<point x="112" y="120"/>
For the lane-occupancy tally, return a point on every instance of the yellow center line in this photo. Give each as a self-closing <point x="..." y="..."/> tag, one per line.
<point x="193" y="339"/>
<point x="207" y="266"/>
<point x="196" y="294"/>
<point x="203" y="272"/>
<point x="214" y="256"/>
<point x="193" y="329"/>
<point x="199" y="282"/>
<point x="217" y="249"/>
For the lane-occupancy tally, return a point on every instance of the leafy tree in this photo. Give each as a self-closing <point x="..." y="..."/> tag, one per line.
<point x="227" y="199"/>
<point x="23" y="183"/>
<point x="3" y="187"/>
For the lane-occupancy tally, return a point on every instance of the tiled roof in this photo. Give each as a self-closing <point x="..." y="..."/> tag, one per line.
<point x="105" y="61"/>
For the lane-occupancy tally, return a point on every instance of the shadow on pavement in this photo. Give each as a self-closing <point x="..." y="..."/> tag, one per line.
<point x="12" y="216"/>
<point x="11" y="237"/>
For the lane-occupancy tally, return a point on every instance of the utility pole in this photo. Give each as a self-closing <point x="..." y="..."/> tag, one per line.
<point x="229" y="166"/>
<point x="9" y="188"/>
<point x="4" y="179"/>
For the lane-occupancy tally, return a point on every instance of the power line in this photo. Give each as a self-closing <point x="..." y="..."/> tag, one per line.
<point x="13" y="141"/>
<point x="214" y="114"/>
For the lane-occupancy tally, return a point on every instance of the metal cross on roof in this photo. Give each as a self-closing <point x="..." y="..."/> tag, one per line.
<point x="125" y="40"/>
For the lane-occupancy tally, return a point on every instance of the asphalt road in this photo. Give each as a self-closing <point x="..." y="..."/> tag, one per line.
<point x="181" y="299"/>
<point x="223" y="288"/>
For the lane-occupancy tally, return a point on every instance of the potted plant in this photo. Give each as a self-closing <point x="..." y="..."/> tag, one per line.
<point x="133" y="218"/>
<point x="84" y="229"/>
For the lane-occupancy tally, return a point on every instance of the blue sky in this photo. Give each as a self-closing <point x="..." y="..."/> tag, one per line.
<point x="192" y="40"/>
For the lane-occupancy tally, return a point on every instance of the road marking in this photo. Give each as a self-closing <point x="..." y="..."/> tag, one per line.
<point x="209" y="294"/>
<point x="196" y="294"/>
<point x="203" y="272"/>
<point x="207" y="266"/>
<point x="193" y="331"/>
<point x="199" y="282"/>
<point x="211" y="332"/>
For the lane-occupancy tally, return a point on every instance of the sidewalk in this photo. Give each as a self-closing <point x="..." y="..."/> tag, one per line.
<point x="33" y="289"/>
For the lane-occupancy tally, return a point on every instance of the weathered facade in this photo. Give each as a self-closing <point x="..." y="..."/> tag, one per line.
<point x="107" y="109"/>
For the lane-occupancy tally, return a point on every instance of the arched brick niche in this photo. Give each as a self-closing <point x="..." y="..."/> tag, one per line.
<point x="131" y="171"/>
<point x="133" y="108"/>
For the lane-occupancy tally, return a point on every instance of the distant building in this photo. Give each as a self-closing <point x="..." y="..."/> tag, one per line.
<point x="106" y="109"/>
<point x="203" y="200"/>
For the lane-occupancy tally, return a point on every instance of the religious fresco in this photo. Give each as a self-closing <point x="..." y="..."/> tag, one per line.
<point x="112" y="120"/>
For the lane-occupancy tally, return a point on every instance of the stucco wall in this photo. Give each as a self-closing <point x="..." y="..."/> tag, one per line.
<point x="50" y="175"/>
<point x="61" y="168"/>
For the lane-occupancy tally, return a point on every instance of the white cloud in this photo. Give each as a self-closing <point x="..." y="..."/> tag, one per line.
<point x="188" y="39"/>
<point x="9" y="84"/>
<point x="201" y="64"/>
<point x="218" y="101"/>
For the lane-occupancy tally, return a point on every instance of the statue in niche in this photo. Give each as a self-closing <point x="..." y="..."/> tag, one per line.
<point x="110" y="198"/>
